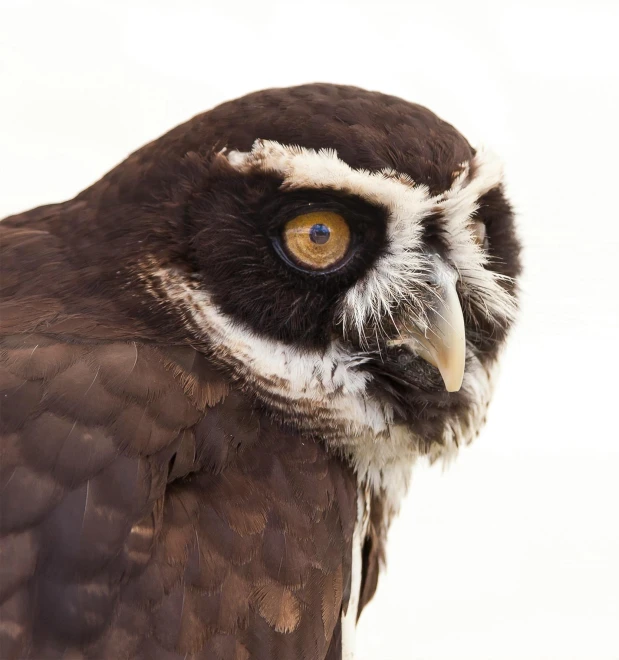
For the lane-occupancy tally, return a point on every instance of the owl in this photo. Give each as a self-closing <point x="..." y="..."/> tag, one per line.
<point x="219" y="363"/>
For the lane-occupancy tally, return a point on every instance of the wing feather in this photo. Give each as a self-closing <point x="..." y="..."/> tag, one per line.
<point x="150" y="511"/>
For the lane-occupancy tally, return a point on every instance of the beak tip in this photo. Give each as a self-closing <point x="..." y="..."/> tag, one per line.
<point x="452" y="380"/>
<point x="451" y="366"/>
<point x="453" y="387"/>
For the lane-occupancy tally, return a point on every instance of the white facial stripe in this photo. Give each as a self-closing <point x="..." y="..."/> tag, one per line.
<point x="458" y="205"/>
<point x="401" y="274"/>
<point x="322" y="381"/>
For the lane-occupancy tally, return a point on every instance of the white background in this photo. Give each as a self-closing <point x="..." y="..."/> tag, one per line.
<point x="513" y="552"/>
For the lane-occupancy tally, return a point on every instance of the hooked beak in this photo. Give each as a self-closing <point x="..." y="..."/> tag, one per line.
<point x="444" y="343"/>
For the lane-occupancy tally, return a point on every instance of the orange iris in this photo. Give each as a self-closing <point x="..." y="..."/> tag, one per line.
<point x="317" y="240"/>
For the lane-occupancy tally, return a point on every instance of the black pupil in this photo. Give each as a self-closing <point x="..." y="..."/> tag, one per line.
<point x="319" y="234"/>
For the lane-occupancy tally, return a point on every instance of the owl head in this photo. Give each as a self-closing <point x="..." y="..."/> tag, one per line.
<point x="346" y="257"/>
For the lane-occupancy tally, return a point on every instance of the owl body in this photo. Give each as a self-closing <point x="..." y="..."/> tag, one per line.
<point x="219" y="363"/>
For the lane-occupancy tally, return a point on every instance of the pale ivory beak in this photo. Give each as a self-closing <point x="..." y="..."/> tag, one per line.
<point x="444" y="343"/>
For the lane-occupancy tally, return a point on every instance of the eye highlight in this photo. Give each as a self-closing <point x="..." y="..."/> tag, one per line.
<point x="316" y="241"/>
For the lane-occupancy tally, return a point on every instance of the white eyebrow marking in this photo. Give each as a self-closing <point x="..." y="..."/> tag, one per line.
<point x="401" y="275"/>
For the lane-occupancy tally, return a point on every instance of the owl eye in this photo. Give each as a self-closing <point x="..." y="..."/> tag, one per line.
<point x="317" y="241"/>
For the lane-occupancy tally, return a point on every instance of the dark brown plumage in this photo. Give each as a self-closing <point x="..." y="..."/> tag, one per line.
<point x="155" y="502"/>
<point x="148" y="512"/>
